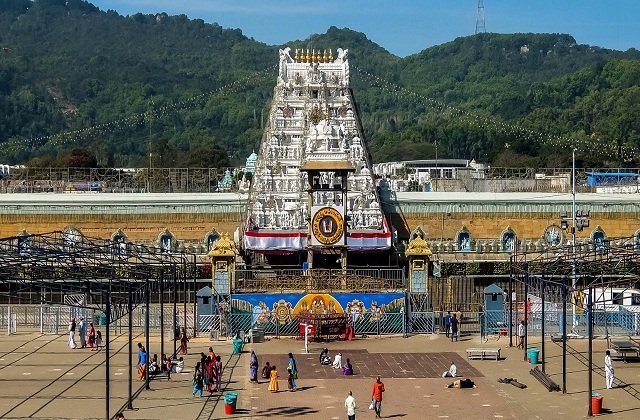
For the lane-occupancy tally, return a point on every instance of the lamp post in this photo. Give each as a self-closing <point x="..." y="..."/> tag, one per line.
<point x="437" y="171"/>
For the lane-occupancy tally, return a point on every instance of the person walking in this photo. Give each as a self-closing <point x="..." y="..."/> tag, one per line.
<point x="142" y="362"/>
<point x="198" y="383"/>
<point x="294" y="371"/>
<point x="350" y="405"/>
<point x="454" y="328"/>
<point x="521" y="334"/>
<point x="273" y="381"/>
<point x="376" y="396"/>
<point x="459" y="318"/>
<point x="608" y="370"/>
<point x="83" y="333"/>
<point x="217" y="371"/>
<point x="447" y="323"/>
<point x="183" y="341"/>
<point x="72" y="333"/>
<point x="92" y="335"/>
<point x="253" y="368"/>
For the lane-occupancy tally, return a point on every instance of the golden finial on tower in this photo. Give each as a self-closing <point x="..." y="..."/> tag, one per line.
<point x="317" y="56"/>
<point x="325" y="57"/>
<point x="313" y="55"/>
<point x="307" y="57"/>
<point x="330" y="56"/>
<point x="296" y="57"/>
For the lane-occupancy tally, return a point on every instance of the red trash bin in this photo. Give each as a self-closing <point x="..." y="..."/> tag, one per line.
<point x="596" y="405"/>
<point x="229" y="408"/>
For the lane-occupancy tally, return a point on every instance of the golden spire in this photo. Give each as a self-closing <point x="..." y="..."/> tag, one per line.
<point x="308" y="57"/>
<point x="317" y="57"/>
<point x="330" y="56"/>
<point x="295" y="57"/>
<point x="325" y="57"/>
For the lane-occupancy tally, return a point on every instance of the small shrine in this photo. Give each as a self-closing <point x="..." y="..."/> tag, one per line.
<point x="418" y="254"/>
<point x="223" y="265"/>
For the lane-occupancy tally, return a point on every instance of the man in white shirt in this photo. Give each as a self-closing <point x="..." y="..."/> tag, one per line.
<point x="178" y="367"/>
<point x="350" y="405"/>
<point x="608" y="369"/>
<point x="452" y="372"/>
<point x="521" y="334"/>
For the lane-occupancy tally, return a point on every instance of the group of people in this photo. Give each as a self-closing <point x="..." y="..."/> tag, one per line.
<point x="94" y="339"/>
<point x="452" y="325"/>
<point x="208" y="374"/>
<point x="325" y="359"/>
<point x="270" y="372"/>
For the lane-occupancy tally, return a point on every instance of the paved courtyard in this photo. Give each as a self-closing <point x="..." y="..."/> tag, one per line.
<point x="41" y="378"/>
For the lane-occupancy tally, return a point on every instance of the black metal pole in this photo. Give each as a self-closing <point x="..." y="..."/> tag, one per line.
<point x="510" y="297"/>
<point x="526" y="317"/>
<point x="564" y="338"/>
<point x="175" y="310"/>
<point x="542" y="326"/>
<point x="146" y="328"/>
<point x="106" y="354"/>
<point x="195" y="296"/>
<point x="590" y="333"/>
<point x="161" y="285"/>
<point x="130" y="385"/>
<point x="184" y="301"/>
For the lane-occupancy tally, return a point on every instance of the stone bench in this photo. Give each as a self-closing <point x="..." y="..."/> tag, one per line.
<point x="483" y="353"/>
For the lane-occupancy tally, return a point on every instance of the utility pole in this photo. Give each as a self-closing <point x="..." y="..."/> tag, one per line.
<point x="579" y="221"/>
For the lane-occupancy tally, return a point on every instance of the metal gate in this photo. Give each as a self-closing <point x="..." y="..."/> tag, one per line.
<point x="51" y="319"/>
<point x="422" y="322"/>
<point x="76" y="305"/>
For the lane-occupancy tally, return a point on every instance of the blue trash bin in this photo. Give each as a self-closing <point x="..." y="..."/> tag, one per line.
<point x="237" y="346"/>
<point x="533" y="355"/>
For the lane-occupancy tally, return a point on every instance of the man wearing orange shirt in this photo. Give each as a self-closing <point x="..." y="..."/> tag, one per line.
<point x="376" y="396"/>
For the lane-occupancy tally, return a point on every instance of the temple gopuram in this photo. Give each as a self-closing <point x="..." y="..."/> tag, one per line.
<point x="313" y="193"/>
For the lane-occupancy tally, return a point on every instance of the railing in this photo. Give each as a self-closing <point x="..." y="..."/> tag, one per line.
<point x="54" y="319"/>
<point x="113" y="180"/>
<point x="366" y="279"/>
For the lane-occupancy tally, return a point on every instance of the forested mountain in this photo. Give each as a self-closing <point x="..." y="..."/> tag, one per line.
<point x="190" y="93"/>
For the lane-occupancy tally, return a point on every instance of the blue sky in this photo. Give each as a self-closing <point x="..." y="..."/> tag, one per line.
<point x="407" y="27"/>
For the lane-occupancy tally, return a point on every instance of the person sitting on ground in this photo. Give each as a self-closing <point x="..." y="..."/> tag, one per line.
<point x="452" y="372"/>
<point x="337" y="362"/>
<point x="163" y="366"/>
<point x="461" y="383"/>
<point x="178" y="367"/>
<point x="347" y="370"/>
<point x="266" y="371"/>
<point x="324" y="357"/>
<point x="154" y="368"/>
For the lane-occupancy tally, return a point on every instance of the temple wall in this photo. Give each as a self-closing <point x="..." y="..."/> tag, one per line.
<point x="142" y="217"/>
<point x="529" y="226"/>
<point x="138" y="228"/>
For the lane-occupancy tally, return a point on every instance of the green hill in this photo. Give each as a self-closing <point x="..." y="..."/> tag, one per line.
<point x="196" y="94"/>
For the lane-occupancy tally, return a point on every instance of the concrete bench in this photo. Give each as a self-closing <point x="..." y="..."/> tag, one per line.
<point x="483" y="353"/>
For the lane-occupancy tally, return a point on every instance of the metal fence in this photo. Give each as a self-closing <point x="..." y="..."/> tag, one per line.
<point x="606" y="322"/>
<point x="54" y="319"/>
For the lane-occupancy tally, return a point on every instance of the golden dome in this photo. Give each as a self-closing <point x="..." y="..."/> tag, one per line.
<point x="223" y="247"/>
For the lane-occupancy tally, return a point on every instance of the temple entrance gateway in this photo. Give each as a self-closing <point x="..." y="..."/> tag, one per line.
<point x="313" y="198"/>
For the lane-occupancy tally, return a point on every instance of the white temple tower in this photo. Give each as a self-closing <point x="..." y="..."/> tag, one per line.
<point x="312" y="119"/>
